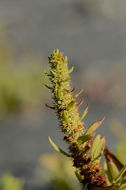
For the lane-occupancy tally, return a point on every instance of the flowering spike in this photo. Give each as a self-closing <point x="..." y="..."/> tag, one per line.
<point x="85" y="150"/>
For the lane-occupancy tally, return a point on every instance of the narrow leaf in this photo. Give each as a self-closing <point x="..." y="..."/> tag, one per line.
<point x="64" y="117"/>
<point x="84" y="113"/>
<point x="120" y="175"/>
<point x="80" y="103"/>
<point x="53" y="72"/>
<point x="70" y="105"/>
<point x="49" y="87"/>
<point x="67" y="79"/>
<point x="57" y="148"/>
<point x="84" y="138"/>
<point x="51" y="107"/>
<point x="58" y="94"/>
<point x="106" y="173"/>
<point x="78" y="94"/>
<point x="65" y="59"/>
<point x="111" y="157"/>
<point x="71" y="70"/>
<point x="96" y="142"/>
<point x="94" y="126"/>
<point x="78" y="176"/>
<point x="98" y="149"/>
<point x="56" y="51"/>
<point x="113" y="171"/>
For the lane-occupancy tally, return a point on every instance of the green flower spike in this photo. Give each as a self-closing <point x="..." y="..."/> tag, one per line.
<point x="84" y="149"/>
<point x="64" y="103"/>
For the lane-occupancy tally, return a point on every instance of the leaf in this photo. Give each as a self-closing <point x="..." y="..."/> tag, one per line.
<point x="65" y="59"/>
<point x="70" y="105"/>
<point x="123" y="184"/>
<point x="97" y="148"/>
<point x="84" y="113"/>
<point x="67" y="79"/>
<point x="58" y="94"/>
<point x="111" y="157"/>
<point x="120" y="175"/>
<point x="79" y="177"/>
<point x="56" y="51"/>
<point x="94" y="126"/>
<point x="78" y="94"/>
<point x="57" y="148"/>
<point x="71" y="70"/>
<point x="113" y="171"/>
<point x="95" y="145"/>
<point x="84" y="138"/>
<point x="106" y="173"/>
<point x="53" y="72"/>
<point x="49" y="87"/>
<point x="64" y="117"/>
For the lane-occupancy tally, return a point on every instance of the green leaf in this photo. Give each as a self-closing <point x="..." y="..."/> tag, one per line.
<point x="78" y="94"/>
<point x="71" y="70"/>
<point x="56" y="51"/>
<point x="95" y="145"/>
<point x="70" y="105"/>
<point x="123" y="184"/>
<point x="84" y="138"/>
<point x="79" y="177"/>
<point x="67" y="79"/>
<point x="49" y="87"/>
<point x="97" y="148"/>
<point x="58" y="94"/>
<point x="65" y="59"/>
<point x="120" y="175"/>
<point x="57" y="148"/>
<point x="64" y="117"/>
<point x="106" y="173"/>
<point x="84" y="113"/>
<point x="113" y="171"/>
<point x="94" y="126"/>
<point x="52" y="72"/>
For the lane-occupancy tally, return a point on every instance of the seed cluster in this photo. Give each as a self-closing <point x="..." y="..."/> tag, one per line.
<point x="91" y="174"/>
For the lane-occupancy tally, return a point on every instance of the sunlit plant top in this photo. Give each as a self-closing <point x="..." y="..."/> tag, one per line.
<point x="85" y="147"/>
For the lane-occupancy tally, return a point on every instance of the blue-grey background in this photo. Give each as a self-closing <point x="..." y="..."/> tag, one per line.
<point x="93" y="36"/>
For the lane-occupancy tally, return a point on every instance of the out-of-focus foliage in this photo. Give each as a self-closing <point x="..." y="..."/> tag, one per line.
<point x="106" y="85"/>
<point x="8" y="182"/>
<point x="20" y="81"/>
<point x="58" y="171"/>
<point x="112" y="9"/>
<point x="20" y="87"/>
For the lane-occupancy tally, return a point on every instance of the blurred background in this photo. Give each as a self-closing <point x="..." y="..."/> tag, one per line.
<point x="92" y="33"/>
